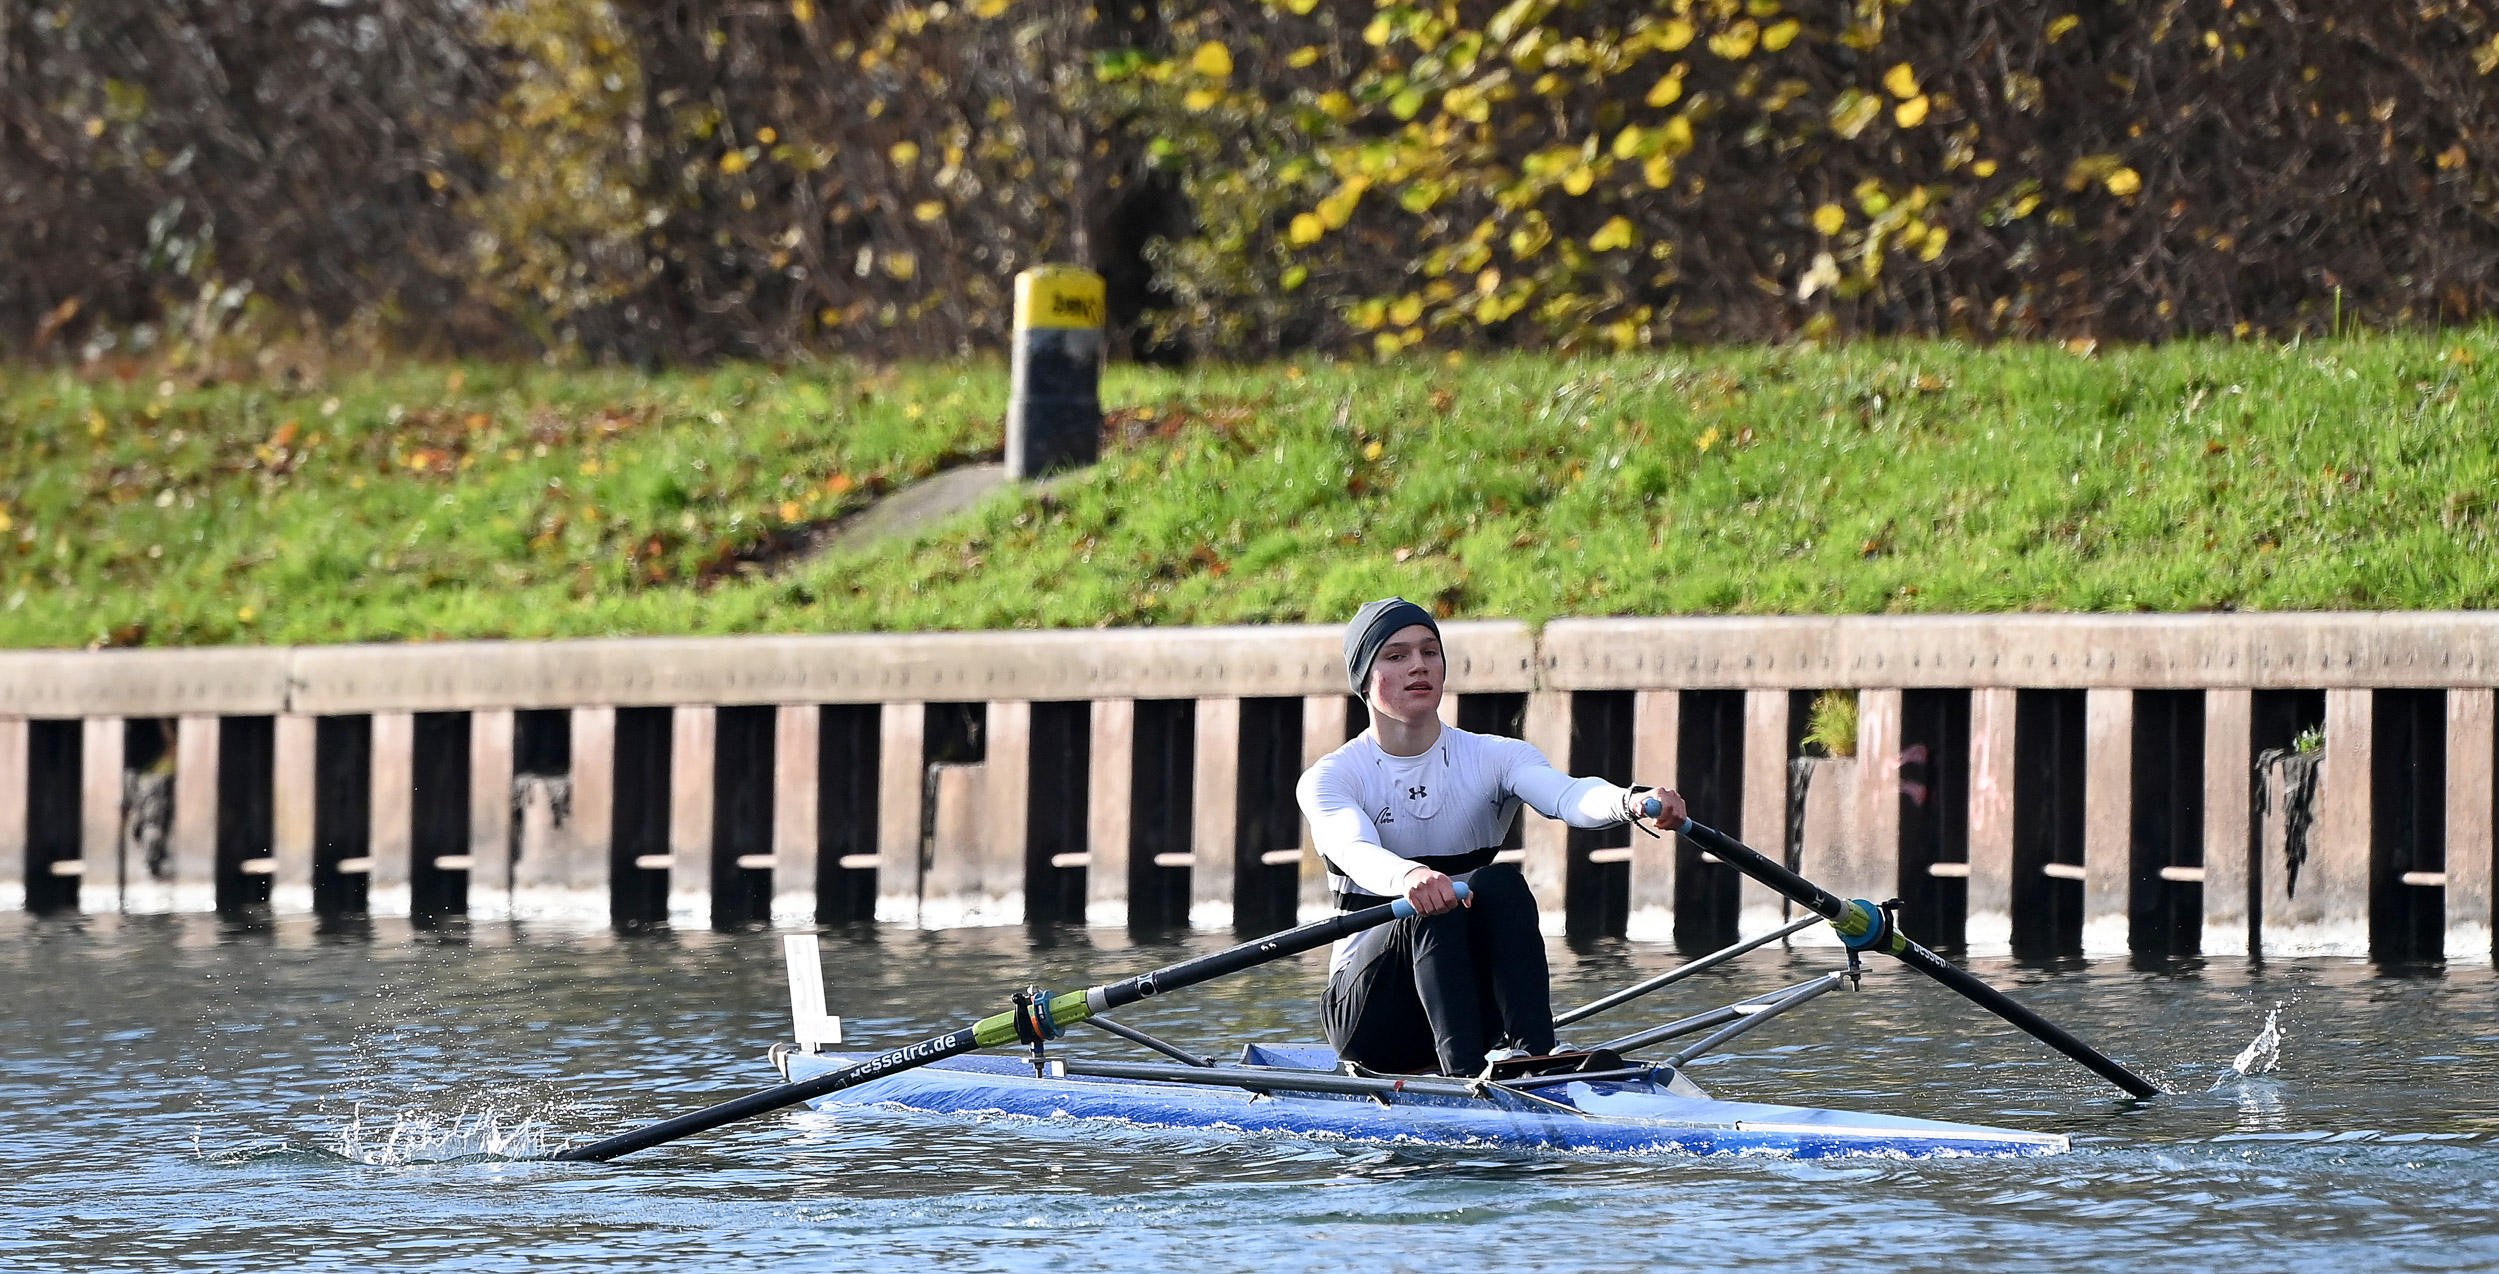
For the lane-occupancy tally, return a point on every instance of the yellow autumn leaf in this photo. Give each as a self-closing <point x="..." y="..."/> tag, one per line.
<point x="1659" y="172"/>
<point x="1201" y="99"/>
<point x="929" y="210"/>
<point x="1984" y="168"/>
<point x="1679" y="135"/>
<point x="2124" y="181"/>
<point x="1301" y="7"/>
<point x="1902" y="81"/>
<point x="1579" y="179"/>
<point x="1911" y="113"/>
<point x="1338" y="208"/>
<point x="1829" y="218"/>
<point x="733" y="163"/>
<point x="1303" y="56"/>
<point x="1212" y="60"/>
<point x="1306" y="229"/>
<point x="1405" y="311"/>
<point x="1780" y="35"/>
<point x="1666" y="91"/>
<point x="805" y="11"/>
<point x="2452" y="157"/>
<point x="904" y="154"/>
<point x="1676" y="34"/>
<point x="1934" y="246"/>
<point x="2061" y="27"/>
<point x="2088" y="169"/>
<point x="1530" y="238"/>
<point x="1737" y="41"/>
<point x="1614" y="236"/>
<point x="901" y="265"/>
<point x="1852" y="112"/>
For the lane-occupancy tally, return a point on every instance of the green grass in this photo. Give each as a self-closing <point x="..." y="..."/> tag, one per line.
<point x="499" y="501"/>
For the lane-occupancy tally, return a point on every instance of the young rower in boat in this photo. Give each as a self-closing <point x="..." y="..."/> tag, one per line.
<point x="1406" y="809"/>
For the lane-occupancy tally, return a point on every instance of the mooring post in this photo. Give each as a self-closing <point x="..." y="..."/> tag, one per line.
<point x="797" y="795"/>
<point x="1214" y="815"/>
<point x="12" y="813"/>
<point x="1872" y="869"/>
<point x="100" y="816"/>
<point x="1110" y="779"/>
<point x="2333" y="899"/>
<point x="192" y="840"/>
<point x="2229" y="767"/>
<point x="1656" y="728"/>
<point x="1547" y="841"/>
<point x="491" y="742"/>
<point x="693" y="737"/>
<point x="2108" y="821"/>
<point x="1054" y="407"/>
<point x="1988" y="920"/>
<point x="1765" y="802"/>
<point x="903" y="732"/>
<point x="2471" y="772"/>
<point x="1323" y="731"/>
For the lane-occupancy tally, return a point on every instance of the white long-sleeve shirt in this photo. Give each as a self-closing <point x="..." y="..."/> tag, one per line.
<point x="1373" y="815"/>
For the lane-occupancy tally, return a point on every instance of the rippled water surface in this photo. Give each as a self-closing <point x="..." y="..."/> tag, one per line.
<point x="183" y="1093"/>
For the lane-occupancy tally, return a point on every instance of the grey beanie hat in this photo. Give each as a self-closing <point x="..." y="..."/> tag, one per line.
<point x="1373" y="625"/>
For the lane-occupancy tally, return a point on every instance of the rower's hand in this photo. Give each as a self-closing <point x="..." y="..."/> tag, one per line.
<point x="1430" y="892"/>
<point x="1671" y="810"/>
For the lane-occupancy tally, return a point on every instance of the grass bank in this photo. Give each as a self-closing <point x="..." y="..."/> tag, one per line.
<point x="497" y="501"/>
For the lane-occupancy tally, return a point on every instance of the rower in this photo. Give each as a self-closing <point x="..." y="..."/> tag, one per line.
<point x="1405" y="809"/>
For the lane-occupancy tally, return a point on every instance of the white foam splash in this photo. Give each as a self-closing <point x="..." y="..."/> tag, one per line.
<point x="2264" y="1052"/>
<point x="418" y="1136"/>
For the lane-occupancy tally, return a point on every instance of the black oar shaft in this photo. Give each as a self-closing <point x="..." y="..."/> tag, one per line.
<point x="1822" y="902"/>
<point x="1065" y="1010"/>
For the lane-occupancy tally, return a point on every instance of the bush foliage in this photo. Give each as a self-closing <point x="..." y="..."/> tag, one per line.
<point x="704" y="179"/>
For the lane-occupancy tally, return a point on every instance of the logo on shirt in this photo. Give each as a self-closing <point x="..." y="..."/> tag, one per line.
<point x="1417" y="793"/>
<point x="1386" y="816"/>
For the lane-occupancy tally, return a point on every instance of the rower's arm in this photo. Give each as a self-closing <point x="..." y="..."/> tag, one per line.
<point x="1589" y="802"/>
<point x="1345" y="835"/>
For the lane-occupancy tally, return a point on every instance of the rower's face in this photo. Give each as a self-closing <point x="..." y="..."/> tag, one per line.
<point x="1406" y="679"/>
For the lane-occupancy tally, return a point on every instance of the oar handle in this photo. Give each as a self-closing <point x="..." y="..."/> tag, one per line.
<point x="1861" y="925"/>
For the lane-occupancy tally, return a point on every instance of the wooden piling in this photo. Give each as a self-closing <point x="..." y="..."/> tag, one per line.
<point x="2108" y="817"/>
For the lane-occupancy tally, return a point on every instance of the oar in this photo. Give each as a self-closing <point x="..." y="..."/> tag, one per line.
<point x="1864" y="926"/>
<point x="1044" y="1018"/>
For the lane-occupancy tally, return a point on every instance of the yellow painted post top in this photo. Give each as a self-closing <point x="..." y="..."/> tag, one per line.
<point x="1058" y="296"/>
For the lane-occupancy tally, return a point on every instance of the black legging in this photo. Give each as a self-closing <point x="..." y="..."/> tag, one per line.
<point x="1433" y="992"/>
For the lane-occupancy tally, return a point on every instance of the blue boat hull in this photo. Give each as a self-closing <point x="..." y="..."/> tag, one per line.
<point x="1618" y="1117"/>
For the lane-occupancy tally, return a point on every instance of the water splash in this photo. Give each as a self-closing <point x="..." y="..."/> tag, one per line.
<point x="2262" y="1054"/>
<point x="419" y="1136"/>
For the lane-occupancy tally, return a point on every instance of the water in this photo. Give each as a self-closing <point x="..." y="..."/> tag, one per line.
<point x="183" y="1094"/>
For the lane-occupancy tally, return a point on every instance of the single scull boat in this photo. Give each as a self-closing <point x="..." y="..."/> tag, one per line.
<point x="1594" y="1101"/>
<point x="1597" y="1099"/>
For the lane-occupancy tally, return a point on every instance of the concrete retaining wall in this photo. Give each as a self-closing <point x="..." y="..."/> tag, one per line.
<point x="2037" y="783"/>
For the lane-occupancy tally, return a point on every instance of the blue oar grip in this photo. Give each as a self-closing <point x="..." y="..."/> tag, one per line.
<point x="1402" y="909"/>
<point x="1651" y="809"/>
